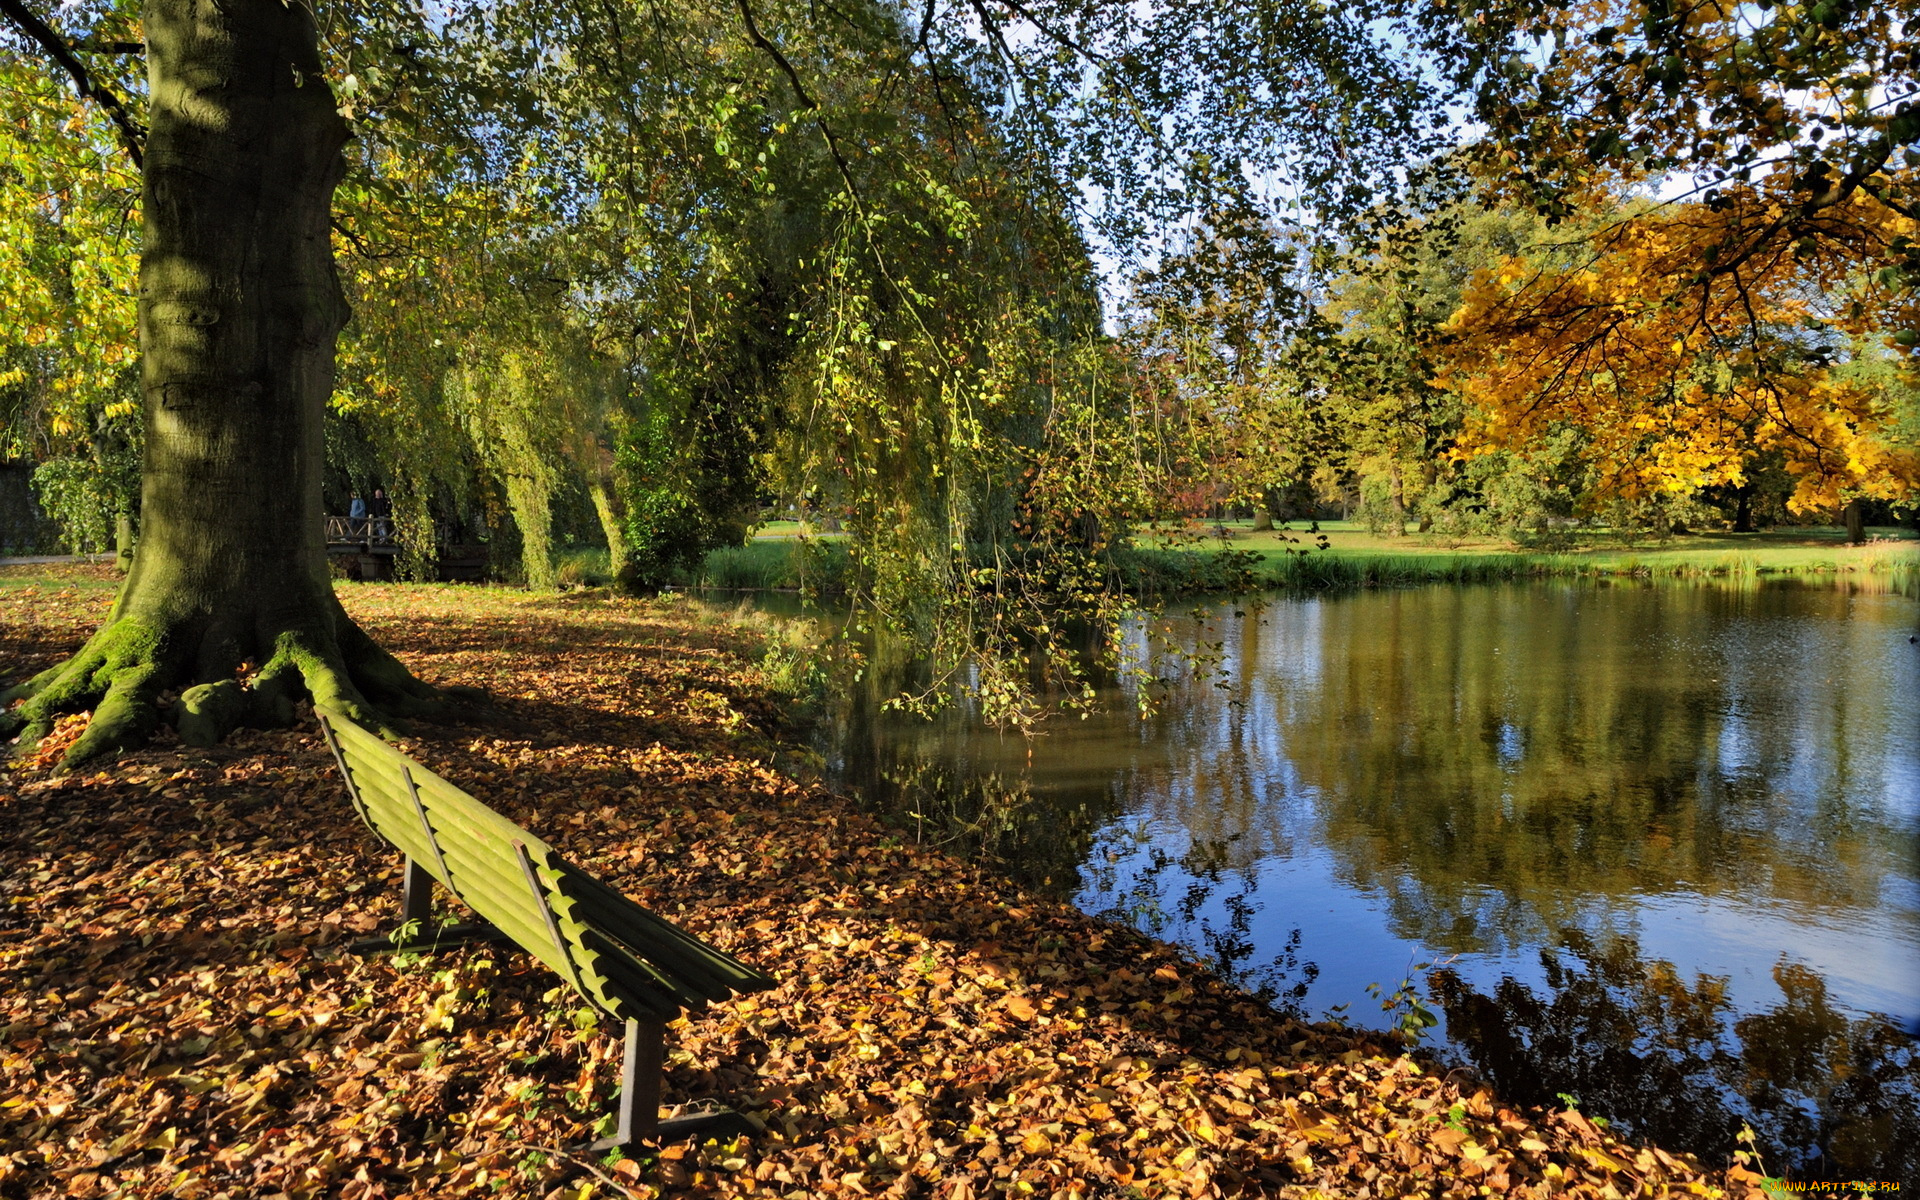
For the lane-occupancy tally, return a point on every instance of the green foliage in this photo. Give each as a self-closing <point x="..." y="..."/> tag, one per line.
<point x="1408" y="1013"/>
<point x="86" y="496"/>
<point x="582" y="567"/>
<point x="686" y="262"/>
<point x="671" y="522"/>
<point x="1150" y="572"/>
<point x="815" y="566"/>
<point x="1621" y="1035"/>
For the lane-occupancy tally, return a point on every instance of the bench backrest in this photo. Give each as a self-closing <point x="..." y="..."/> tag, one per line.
<point x="624" y="960"/>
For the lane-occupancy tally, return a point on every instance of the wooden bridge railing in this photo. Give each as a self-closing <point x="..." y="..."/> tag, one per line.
<point x="360" y="531"/>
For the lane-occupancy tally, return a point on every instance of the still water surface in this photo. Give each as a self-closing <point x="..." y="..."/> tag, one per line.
<point x="1657" y="842"/>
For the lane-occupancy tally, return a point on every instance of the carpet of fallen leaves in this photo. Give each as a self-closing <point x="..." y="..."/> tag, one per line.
<point x="180" y="1018"/>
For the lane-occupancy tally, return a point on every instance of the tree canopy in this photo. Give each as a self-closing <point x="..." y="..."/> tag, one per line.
<point x="996" y="282"/>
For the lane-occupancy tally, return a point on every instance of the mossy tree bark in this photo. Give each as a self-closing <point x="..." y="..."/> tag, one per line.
<point x="613" y="522"/>
<point x="228" y="601"/>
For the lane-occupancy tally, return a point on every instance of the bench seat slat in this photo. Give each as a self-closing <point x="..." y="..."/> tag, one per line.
<point x="377" y="779"/>
<point x="470" y="813"/>
<point x="633" y="983"/>
<point x="383" y="764"/>
<point x="701" y="973"/>
<point x="673" y="947"/>
<point x="506" y="903"/>
<point x="493" y="865"/>
<point x="484" y="875"/>
<point x="493" y="885"/>
<point x="384" y="815"/>
<point x="624" y="960"/>
<point x="586" y="955"/>
<point x="377" y="774"/>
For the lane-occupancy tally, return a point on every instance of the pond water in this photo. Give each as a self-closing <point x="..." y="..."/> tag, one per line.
<point x="1653" y="846"/>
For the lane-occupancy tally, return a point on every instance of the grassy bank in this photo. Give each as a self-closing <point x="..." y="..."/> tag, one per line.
<point x="1355" y="557"/>
<point x="181" y="1020"/>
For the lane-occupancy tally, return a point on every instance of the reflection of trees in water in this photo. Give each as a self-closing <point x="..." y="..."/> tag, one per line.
<point x="1045" y="837"/>
<point x="1039" y="840"/>
<point x="948" y="782"/>
<point x="1204" y="874"/>
<point x="1831" y="1096"/>
<point x="1496" y="762"/>
<point x="1500" y="763"/>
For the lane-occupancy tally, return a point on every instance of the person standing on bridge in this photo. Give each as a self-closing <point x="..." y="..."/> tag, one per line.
<point x="356" y="516"/>
<point x="381" y="510"/>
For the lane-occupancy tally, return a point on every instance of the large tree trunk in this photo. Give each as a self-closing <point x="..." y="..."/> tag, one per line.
<point x="1856" y="518"/>
<point x="239" y="309"/>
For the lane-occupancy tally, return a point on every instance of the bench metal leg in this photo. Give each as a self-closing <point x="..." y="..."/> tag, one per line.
<point x="416" y="898"/>
<point x="641" y="1068"/>
<point x="416" y="907"/>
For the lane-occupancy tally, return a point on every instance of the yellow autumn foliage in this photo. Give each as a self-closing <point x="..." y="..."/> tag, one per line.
<point x="1680" y="377"/>
<point x="68" y="262"/>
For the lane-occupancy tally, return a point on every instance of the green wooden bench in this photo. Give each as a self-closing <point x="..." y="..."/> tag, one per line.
<point x="626" y="962"/>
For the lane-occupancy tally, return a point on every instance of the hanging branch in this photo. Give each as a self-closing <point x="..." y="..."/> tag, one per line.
<point x="840" y="163"/>
<point x="131" y="135"/>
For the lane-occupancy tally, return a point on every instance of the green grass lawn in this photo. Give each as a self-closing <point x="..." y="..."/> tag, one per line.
<point x="1801" y="548"/>
<point x="1356" y="557"/>
<point x="1351" y="537"/>
<point x="55" y="577"/>
<point x="779" y="530"/>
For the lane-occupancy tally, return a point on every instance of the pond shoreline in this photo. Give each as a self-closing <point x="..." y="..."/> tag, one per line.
<point x="1633" y="778"/>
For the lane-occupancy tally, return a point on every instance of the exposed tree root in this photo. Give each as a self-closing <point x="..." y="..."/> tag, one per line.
<point x="124" y="669"/>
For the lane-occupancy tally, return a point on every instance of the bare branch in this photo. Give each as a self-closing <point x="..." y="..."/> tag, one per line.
<point x="131" y="135"/>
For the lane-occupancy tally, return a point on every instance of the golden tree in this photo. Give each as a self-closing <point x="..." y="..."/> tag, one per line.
<point x="1679" y="377"/>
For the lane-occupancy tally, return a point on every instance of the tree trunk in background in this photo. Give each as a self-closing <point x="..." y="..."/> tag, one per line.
<point x="1397" y="500"/>
<point x="606" y="502"/>
<point x="239" y="309"/>
<point x="532" y="507"/>
<point x="123" y="541"/>
<point x="1856" y="518"/>
<point x="1743" y="509"/>
<point x="417" y="541"/>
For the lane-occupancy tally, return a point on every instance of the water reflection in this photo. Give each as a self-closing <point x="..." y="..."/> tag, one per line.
<point x="1545" y="784"/>
<point x="1570" y="747"/>
<point x="1835" y="1096"/>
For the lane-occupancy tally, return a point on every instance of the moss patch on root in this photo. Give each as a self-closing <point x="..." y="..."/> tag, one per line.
<point x="122" y="671"/>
